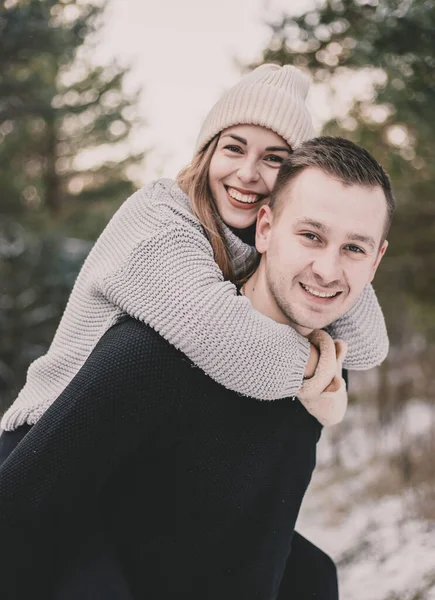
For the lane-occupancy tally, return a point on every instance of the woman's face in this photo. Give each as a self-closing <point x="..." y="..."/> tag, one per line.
<point x="243" y="170"/>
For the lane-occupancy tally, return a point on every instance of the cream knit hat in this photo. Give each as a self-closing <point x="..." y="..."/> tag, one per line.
<point x="271" y="96"/>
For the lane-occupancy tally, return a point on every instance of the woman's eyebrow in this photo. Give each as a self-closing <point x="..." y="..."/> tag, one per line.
<point x="236" y="137"/>
<point x="278" y="149"/>
<point x="268" y="149"/>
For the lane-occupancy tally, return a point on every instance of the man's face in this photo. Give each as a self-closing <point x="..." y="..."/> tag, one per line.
<point x="321" y="249"/>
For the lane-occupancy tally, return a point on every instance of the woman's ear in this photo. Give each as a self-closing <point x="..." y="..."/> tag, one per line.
<point x="264" y="224"/>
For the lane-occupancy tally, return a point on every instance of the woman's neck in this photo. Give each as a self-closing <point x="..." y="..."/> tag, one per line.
<point x="247" y="235"/>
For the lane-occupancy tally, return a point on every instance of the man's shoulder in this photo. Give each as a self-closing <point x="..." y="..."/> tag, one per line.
<point x="133" y="337"/>
<point x="133" y="357"/>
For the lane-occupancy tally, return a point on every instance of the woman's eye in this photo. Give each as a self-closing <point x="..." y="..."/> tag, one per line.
<point x="274" y="158"/>
<point x="233" y="148"/>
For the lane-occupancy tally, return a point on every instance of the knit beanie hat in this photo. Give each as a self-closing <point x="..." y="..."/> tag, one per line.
<point x="270" y="96"/>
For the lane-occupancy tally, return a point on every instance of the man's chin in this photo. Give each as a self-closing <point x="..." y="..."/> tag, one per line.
<point x="304" y="319"/>
<point x="305" y="325"/>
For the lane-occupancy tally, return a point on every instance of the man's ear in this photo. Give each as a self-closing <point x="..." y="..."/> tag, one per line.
<point x="381" y="253"/>
<point x="264" y="224"/>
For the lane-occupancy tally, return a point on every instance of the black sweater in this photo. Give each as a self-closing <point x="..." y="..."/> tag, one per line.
<point x="196" y="488"/>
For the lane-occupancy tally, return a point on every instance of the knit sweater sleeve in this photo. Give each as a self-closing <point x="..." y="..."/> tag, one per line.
<point x="53" y="477"/>
<point x="171" y="282"/>
<point x="363" y="328"/>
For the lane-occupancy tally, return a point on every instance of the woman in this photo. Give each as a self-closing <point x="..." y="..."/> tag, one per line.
<point x="166" y="259"/>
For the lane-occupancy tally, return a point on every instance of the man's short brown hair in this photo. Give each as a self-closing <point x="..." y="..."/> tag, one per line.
<point x="343" y="160"/>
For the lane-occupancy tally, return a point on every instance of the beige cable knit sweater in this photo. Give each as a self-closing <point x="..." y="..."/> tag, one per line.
<point x="154" y="263"/>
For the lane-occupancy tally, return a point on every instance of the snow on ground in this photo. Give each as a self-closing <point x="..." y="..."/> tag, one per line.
<point x="384" y="549"/>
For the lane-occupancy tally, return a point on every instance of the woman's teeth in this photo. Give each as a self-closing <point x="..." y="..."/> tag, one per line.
<point x="246" y="198"/>
<point x="319" y="294"/>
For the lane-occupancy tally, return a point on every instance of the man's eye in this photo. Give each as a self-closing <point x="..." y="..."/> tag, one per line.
<point x="355" y="249"/>
<point x="311" y="236"/>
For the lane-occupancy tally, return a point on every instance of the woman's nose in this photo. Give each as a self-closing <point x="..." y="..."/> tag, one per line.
<point x="249" y="171"/>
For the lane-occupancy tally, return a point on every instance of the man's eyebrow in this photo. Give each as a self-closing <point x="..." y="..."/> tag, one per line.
<point x="365" y="239"/>
<point x="351" y="237"/>
<point x="312" y="223"/>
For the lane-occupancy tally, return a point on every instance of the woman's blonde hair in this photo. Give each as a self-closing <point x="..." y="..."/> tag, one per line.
<point x="193" y="180"/>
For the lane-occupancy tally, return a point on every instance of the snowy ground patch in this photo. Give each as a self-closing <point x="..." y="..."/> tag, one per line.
<point x="384" y="549"/>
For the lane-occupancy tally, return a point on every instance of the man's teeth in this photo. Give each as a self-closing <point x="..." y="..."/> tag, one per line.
<point x="247" y="198"/>
<point x="319" y="294"/>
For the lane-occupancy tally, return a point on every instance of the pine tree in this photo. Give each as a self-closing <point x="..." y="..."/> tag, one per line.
<point x="55" y="105"/>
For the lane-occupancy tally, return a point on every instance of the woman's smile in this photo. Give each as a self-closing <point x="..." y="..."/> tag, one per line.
<point x="244" y="197"/>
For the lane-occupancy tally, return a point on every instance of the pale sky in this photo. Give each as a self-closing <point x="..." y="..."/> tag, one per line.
<point x="183" y="53"/>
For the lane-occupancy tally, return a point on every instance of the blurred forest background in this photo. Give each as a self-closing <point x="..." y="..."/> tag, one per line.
<point x="56" y="107"/>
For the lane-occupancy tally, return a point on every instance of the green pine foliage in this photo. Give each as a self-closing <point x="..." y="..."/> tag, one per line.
<point x="54" y="106"/>
<point x="65" y="165"/>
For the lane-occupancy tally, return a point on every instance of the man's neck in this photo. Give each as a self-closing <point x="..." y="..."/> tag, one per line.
<point x="258" y="292"/>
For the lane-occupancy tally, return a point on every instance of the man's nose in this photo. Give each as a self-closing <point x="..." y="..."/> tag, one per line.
<point x="248" y="171"/>
<point x="327" y="267"/>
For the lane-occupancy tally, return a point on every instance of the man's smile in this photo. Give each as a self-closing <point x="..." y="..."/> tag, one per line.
<point x="319" y="294"/>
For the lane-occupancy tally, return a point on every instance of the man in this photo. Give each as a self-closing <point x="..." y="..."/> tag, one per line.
<point x="196" y="489"/>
